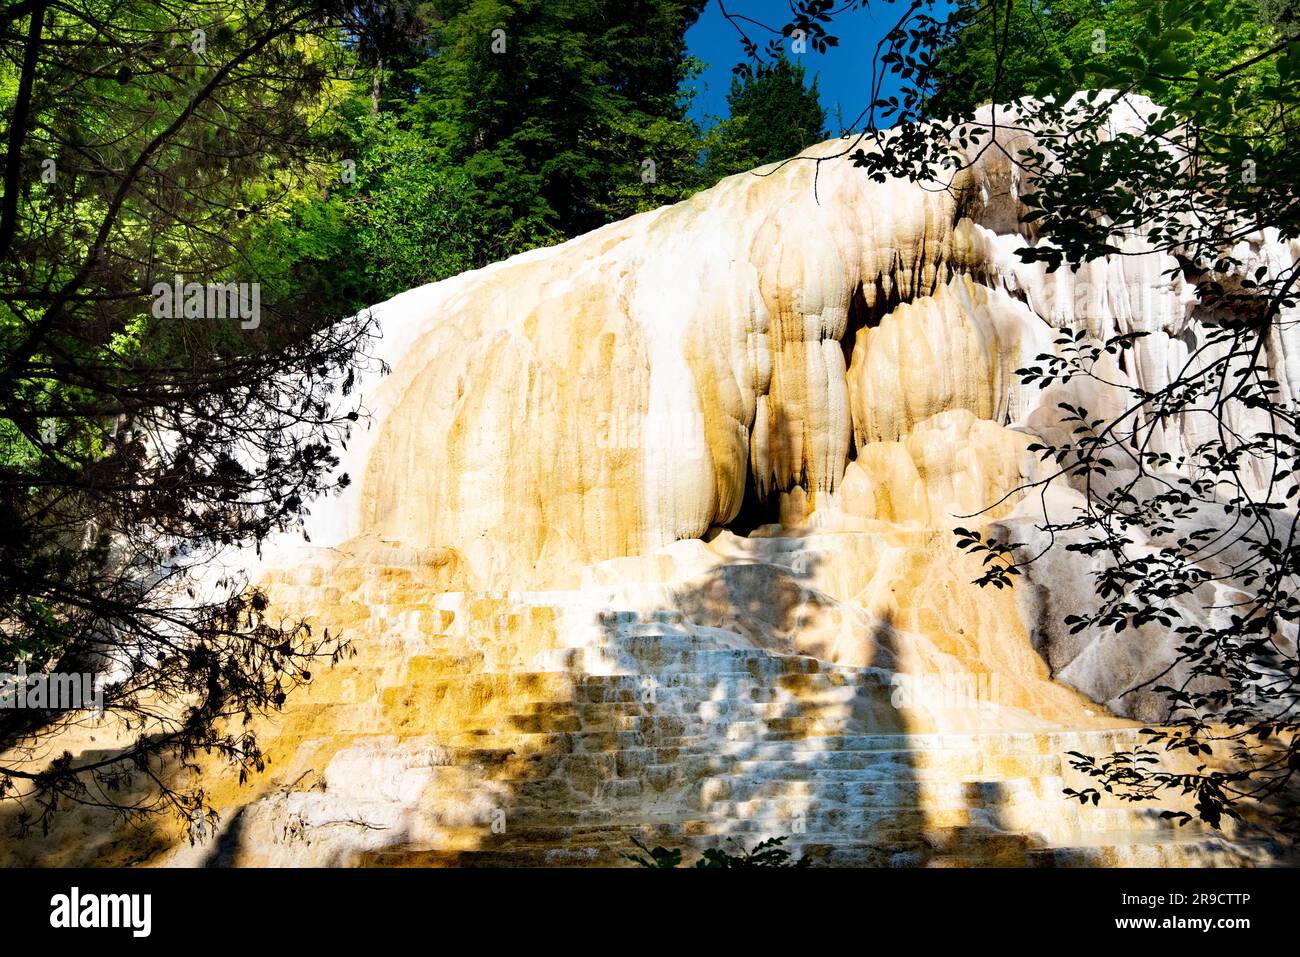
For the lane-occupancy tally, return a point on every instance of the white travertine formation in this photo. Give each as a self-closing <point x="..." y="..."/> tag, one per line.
<point x="614" y="394"/>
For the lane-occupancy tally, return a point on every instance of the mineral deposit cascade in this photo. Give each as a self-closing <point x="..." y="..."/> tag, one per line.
<point x="650" y="534"/>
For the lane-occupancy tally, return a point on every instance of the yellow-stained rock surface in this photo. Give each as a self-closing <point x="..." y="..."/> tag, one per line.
<point x="650" y="534"/>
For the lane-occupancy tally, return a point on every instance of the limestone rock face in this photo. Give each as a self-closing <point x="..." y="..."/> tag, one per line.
<point x="650" y="532"/>
<point x="776" y="338"/>
<point x="797" y="346"/>
<point x="623" y="391"/>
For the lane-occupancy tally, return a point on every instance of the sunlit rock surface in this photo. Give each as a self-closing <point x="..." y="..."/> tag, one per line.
<point x="650" y="533"/>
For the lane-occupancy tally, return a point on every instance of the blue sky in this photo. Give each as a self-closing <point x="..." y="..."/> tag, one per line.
<point x="843" y="73"/>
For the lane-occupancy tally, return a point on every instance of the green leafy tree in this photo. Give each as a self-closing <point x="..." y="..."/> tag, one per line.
<point x="412" y="216"/>
<point x="146" y="141"/>
<point x="386" y="37"/>
<point x="1001" y="52"/>
<point x="564" y="114"/>
<point x="773" y="116"/>
<point x="481" y="129"/>
<point x="1280" y="15"/>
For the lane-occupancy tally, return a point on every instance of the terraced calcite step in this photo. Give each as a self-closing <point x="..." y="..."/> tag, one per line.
<point x="590" y="719"/>
<point x="549" y="728"/>
<point x="646" y="529"/>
